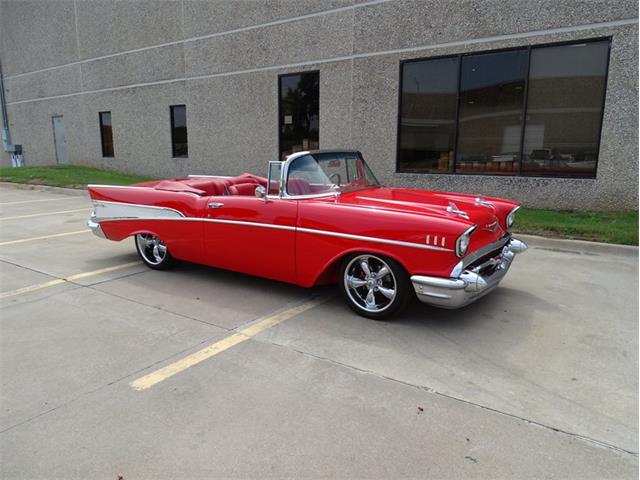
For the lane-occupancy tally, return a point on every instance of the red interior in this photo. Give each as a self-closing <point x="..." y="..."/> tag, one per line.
<point x="244" y="184"/>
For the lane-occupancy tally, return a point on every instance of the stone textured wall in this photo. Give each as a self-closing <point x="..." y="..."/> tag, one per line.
<point x="222" y="59"/>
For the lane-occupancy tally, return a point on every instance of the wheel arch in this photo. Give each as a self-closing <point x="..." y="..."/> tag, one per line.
<point x="329" y="273"/>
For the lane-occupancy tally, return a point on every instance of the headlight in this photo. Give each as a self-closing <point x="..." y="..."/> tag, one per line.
<point x="511" y="217"/>
<point x="462" y="243"/>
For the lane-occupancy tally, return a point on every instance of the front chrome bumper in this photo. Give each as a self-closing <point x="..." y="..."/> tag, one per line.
<point x="472" y="283"/>
<point x="95" y="226"/>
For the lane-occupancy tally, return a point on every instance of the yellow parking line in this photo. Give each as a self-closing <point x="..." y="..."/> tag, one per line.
<point x="13" y="242"/>
<point x="60" y="281"/>
<point x="85" y="209"/>
<point x="42" y="200"/>
<point x="170" y="370"/>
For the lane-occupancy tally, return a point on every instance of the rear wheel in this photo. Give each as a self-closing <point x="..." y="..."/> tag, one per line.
<point x="374" y="286"/>
<point x="153" y="252"/>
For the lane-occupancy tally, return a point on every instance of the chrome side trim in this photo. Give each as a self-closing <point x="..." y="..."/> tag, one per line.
<point x="118" y="210"/>
<point x="283" y="227"/>
<point x="374" y="239"/>
<point x="208" y="220"/>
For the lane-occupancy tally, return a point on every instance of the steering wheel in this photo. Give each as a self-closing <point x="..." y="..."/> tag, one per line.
<point x="338" y="177"/>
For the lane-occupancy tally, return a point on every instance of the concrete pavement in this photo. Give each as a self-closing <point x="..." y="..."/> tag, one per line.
<point x="538" y="379"/>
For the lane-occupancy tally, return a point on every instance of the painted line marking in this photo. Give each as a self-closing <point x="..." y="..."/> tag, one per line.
<point x="247" y="333"/>
<point x="60" y="281"/>
<point x="86" y="209"/>
<point x="44" y="237"/>
<point x="42" y="200"/>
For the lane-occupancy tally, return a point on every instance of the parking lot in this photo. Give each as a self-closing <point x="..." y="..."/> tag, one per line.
<point x="111" y="369"/>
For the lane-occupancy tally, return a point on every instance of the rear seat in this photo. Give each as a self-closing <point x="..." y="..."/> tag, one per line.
<point x="244" y="184"/>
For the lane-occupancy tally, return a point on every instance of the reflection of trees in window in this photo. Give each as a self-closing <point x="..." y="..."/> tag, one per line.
<point x="527" y="111"/>
<point x="299" y="112"/>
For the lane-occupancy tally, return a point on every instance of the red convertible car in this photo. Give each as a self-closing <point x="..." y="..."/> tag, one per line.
<point x="320" y="217"/>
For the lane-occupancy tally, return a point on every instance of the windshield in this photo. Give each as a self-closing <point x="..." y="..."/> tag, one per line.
<point x="318" y="173"/>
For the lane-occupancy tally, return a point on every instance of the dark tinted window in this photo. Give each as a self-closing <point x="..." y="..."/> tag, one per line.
<point x="179" y="131"/>
<point x="428" y="115"/>
<point x="106" y="134"/>
<point x="528" y="111"/>
<point x="564" y="109"/>
<point x="491" y="104"/>
<point x="299" y="112"/>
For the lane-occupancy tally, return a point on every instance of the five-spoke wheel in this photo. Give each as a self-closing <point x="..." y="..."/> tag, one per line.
<point x="153" y="251"/>
<point x="374" y="286"/>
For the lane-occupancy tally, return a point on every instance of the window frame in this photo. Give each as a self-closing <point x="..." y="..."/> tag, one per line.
<point x="279" y="92"/>
<point x="102" y="126"/>
<point x="171" y="119"/>
<point x="525" y="105"/>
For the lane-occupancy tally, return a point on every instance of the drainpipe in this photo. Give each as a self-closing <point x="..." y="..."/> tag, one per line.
<point x="15" y="150"/>
<point x="6" y="134"/>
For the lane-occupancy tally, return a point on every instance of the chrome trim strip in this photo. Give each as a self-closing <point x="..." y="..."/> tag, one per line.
<point x="373" y="239"/>
<point x="105" y="209"/>
<point x="209" y="220"/>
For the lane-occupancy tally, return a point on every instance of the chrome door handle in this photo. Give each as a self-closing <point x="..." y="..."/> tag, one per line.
<point x="214" y="205"/>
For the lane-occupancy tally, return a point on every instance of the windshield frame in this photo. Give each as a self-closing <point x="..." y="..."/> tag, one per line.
<point x="291" y="158"/>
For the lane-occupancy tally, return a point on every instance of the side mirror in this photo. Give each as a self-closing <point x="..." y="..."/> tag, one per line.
<point x="261" y="192"/>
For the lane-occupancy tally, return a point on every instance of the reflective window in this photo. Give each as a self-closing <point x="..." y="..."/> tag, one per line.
<point x="179" y="146"/>
<point x="106" y="134"/>
<point x="428" y="115"/>
<point x="528" y="111"/>
<point x="490" y="119"/>
<point x="564" y="109"/>
<point x="299" y="107"/>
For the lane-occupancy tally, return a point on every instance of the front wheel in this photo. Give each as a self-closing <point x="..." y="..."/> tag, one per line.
<point x="374" y="286"/>
<point x="153" y="252"/>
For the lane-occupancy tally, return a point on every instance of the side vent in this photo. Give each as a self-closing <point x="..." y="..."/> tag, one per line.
<point x="436" y="240"/>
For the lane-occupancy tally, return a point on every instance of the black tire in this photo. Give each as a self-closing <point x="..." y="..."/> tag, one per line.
<point x="153" y="252"/>
<point x="373" y="298"/>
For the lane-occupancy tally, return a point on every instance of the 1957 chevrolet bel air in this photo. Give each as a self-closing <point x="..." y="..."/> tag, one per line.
<point x="320" y="217"/>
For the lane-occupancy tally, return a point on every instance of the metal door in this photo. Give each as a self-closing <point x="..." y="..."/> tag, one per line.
<point x="59" y="139"/>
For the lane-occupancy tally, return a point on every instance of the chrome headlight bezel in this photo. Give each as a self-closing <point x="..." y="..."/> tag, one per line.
<point x="511" y="218"/>
<point x="462" y="243"/>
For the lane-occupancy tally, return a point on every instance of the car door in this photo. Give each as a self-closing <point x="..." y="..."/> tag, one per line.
<point x="251" y="235"/>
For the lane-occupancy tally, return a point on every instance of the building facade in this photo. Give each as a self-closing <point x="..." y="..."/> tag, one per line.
<point x="534" y="100"/>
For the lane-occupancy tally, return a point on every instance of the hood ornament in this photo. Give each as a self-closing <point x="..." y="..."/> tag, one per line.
<point x="486" y="203"/>
<point x="452" y="208"/>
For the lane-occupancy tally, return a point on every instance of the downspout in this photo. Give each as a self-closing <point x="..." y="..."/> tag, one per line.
<point x="6" y="134"/>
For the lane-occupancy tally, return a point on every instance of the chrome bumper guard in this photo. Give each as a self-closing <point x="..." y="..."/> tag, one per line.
<point x="472" y="283"/>
<point x="95" y="226"/>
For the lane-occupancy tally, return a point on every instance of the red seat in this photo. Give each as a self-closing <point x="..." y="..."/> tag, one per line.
<point x="173" y="186"/>
<point x="210" y="186"/>
<point x="242" y="189"/>
<point x="249" y="178"/>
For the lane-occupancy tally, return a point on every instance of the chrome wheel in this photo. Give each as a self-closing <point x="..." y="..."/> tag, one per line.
<point x="370" y="283"/>
<point x="151" y="248"/>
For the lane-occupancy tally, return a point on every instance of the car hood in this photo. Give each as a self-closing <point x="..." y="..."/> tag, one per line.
<point x="465" y="209"/>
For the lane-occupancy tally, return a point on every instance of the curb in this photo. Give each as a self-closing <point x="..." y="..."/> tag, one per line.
<point x="577" y="246"/>
<point x="45" y="188"/>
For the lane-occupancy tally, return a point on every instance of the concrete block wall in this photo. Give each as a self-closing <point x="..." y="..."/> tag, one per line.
<point x="222" y="60"/>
